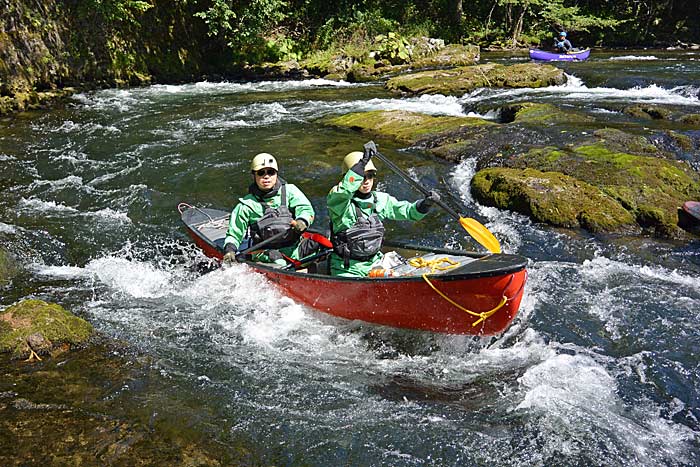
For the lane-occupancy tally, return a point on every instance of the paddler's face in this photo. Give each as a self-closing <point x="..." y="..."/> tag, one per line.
<point x="265" y="178"/>
<point x="368" y="181"/>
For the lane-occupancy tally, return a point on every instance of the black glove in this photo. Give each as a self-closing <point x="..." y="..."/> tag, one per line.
<point x="426" y="203"/>
<point x="370" y="150"/>
<point x="300" y="225"/>
<point x="274" y="255"/>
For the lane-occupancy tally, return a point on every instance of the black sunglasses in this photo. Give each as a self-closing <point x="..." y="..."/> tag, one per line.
<point x="263" y="172"/>
<point x="370" y="175"/>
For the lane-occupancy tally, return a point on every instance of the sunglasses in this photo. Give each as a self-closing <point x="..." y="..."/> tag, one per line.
<point x="263" y="172"/>
<point x="370" y="175"/>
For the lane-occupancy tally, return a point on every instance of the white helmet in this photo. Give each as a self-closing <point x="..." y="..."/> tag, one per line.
<point x="353" y="158"/>
<point x="262" y="161"/>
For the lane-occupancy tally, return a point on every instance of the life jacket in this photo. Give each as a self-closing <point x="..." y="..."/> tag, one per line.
<point x="361" y="241"/>
<point x="275" y="221"/>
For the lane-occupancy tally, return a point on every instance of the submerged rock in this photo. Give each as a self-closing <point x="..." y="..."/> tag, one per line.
<point x="105" y="406"/>
<point x="35" y="327"/>
<point x="8" y="266"/>
<point x="459" y="81"/>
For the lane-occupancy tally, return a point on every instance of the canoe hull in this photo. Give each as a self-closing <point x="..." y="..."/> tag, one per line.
<point x="448" y="303"/>
<point x="543" y="55"/>
<point x="411" y="302"/>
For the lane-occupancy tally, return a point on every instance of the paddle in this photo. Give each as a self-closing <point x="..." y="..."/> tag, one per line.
<point x="477" y="230"/>
<point x="258" y="246"/>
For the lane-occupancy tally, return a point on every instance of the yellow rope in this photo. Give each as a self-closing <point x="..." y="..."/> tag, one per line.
<point x="482" y="316"/>
<point x="434" y="264"/>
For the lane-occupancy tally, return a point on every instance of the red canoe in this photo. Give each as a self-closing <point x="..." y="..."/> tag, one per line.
<point x="478" y="294"/>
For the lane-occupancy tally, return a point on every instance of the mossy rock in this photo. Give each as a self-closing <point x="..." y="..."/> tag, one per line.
<point x="692" y="120"/>
<point x="636" y="182"/>
<point x="452" y="55"/>
<point x="538" y="114"/>
<point x="459" y="81"/>
<point x="401" y="126"/>
<point x="8" y="266"/>
<point x="649" y="112"/>
<point x="552" y="198"/>
<point x="43" y="326"/>
<point x="621" y="141"/>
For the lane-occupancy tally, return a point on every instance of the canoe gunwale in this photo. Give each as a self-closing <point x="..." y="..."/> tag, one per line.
<point x="515" y="267"/>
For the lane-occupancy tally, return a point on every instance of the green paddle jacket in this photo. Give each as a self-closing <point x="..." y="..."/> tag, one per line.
<point x="341" y="200"/>
<point x="251" y="208"/>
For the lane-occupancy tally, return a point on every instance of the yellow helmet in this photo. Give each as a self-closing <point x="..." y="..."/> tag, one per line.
<point x="262" y="161"/>
<point x="353" y="158"/>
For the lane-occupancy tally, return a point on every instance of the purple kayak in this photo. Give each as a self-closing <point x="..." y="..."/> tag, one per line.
<point x="537" y="54"/>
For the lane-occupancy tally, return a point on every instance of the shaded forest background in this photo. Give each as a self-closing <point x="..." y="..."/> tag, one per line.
<point x="48" y="45"/>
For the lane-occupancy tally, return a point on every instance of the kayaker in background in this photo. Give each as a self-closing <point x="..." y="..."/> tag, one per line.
<point x="272" y="206"/>
<point x="356" y="212"/>
<point x="562" y="44"/>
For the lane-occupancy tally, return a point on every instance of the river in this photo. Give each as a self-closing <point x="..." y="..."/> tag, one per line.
<point x="601" y="366"/>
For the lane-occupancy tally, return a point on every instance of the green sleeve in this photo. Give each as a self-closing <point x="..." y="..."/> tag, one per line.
<point x="238" y="224"/>
<point x="300" y="204"/>
<point x="389" y="207"/>
<point x="339" y="200"/>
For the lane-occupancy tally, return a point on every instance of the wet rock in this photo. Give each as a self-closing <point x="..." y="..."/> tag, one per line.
<point x="35" y="327"/>
<point x="692" y="120"/>
<point x="551" y="197"/>
<point x="621" y="141"/>
<point x="8" y="266"/>
<point x="649" y="188"/>
<point x="458" y="81"/>
<point x="453" y="55"/>
<point x="402" y="126"/>
<point x="653" y="112"/>
<point x="98" y="406"/>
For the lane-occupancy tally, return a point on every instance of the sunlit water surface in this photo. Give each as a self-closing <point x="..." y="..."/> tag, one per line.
<point x="600" y="367"/>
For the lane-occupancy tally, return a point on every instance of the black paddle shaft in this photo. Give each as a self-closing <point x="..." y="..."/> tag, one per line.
<point x="258" y="246"/>
<point x="416" y="185"/>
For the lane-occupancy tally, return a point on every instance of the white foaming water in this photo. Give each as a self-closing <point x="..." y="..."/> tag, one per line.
<point x="39" y="206"/>
<point x="575" y="90"/>
<point x="603" y="270"/>
<point x="71" y="127"/>
<point x="633" y="58"/>
<point x="572" y="401"/>
<point x="132" y="278"/>
<point x="501" y="223"/>
<point x="60" y="272"/>
<point x="7" y="228"/>
<point x="124" y="100"/>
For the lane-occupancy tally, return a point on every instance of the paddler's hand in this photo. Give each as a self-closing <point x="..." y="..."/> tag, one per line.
<point x="299" y="225"/>
<point x="230" y="258"/>
<point x="230" y="254"/>
<point x="370" y="150"/>
<point x="426" y="203"/>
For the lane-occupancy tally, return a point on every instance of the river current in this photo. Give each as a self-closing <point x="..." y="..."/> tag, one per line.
<point x="601" y="366"/>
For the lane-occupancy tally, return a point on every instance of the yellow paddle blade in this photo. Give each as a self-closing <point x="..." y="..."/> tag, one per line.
<point x="481" y="234"/>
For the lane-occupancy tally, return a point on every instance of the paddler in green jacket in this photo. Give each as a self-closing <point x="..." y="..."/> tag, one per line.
<point x="356" y="212"/>
<point x="272" y="206"/>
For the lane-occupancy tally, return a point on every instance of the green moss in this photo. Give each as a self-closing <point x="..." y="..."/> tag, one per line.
<point x="632" y="180"/>
<point x="458" y="81"/>
<point x="551" y="197"/>
<point x="402" y="126"/>
<point x="50" y="320"/>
